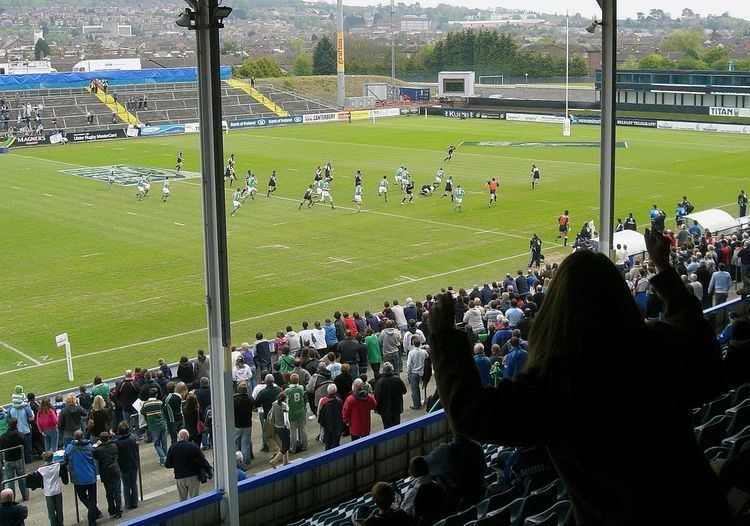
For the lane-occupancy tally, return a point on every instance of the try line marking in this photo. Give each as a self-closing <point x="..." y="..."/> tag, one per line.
<point x="10" y="347"/>
<point x="275" y="313"/>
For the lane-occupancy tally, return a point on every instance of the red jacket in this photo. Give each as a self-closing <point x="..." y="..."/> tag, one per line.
<point x="356" y="412"/>
<point x="351" y="325"/>
<point x="46" y="420"/>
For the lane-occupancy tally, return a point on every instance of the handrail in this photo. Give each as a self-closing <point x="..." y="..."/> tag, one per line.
<point x="175" y="510"/>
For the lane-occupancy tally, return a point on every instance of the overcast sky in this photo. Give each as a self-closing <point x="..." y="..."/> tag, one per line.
<point x="626" y="8"/>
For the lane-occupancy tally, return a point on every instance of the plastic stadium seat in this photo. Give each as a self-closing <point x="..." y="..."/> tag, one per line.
<point x="536" y="502"/>
<point x="496" y="502"/>
<point x="741" y="393"/>
<point x="698" y="416"/>
<point x="552" y="516"/>
<point x="716" y="407"/>
<point x="712" y="432"/>
<point x="730" y="441"/>
<point x="739" y="417"/>
<point x="495" y="518"/>
<point x="459" y="519"/>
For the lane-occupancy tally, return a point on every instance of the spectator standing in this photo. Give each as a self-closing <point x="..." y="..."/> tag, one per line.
<point x="185" y="371"/>
<point x="389" y="393"/>
<point x="153" y="412"/>
<point x="79" y="456"/>
<point x="350" y="351"/>
<point x="202" y="366"/>
<point x="13" y="465"/>
<point x="193" y="422"/>
<point x="46" y="422"/>
<point x="279" y="415"/>
<point x="330" y="417"/>
<point x="569" y="377"/>
<point x="173" y="412"/>
<point x="262" y="353"/>
<point x="294" y="342"/>
<point x="374" y="356"/>
<point x="105" y="454"/>
<point x="243" y="423"/>
<point x="187" y="460"/>
<point x="344" y="381"/>
<point x="264" y="400"/>
<point x="318" y="385"/>
<point x="415" y="362"/>
<point x="515" y="361"/>
<point x="358" y="408"/>
<point x="742" y="204"/>
<point x="23" y="414"/>
<point x="129" y="462"/>
<point x="69" y="418"/>
<point x="399" y="317"/>
<point x="98" y="417"/>
<point x="52" y="481"/>
<point x="297" y="414"/>
<point x="482" y="364"/>
<point x="11" y="513"/>
<point x="128" y="394"/>
<point x="241" y="371"/>
<point x="390" y="339"/>
<point x="474" y="316"/>
<point x="719" y="285"/>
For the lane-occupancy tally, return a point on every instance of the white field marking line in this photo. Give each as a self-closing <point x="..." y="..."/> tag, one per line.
<point x="91" y="255"/>
<point x="179" y="224"/>
<point x="543" y="201"/>
<point x="423" y="220"/>
<point x="49" y="195"/>
<point x="15" y="188"/>
<point x="48" y="160"/>
<point x="419" y="244"/>
<point x="266" y="275"/>
<point x="285" y="310"/>
<point x="20" y="353"/>
<point x="132" y="214"/>
<point x="340" y="260"/>
<point x="147" y="299"/>
<point x="274" y="246"/>
<point x="88" y="204"/>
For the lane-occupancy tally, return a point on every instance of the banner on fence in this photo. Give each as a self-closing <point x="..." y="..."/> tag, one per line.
<point x="729" y="112"/>
<point x="621" y="121"/>
<point x="31" y="140"/>
<point x="162" y="129"/>
<point x="193" y="127"/>
<point x="315" y="118"/>
<point x="56" y="138"/>
<point x="384" y="112"/>
<point x="703" y="127"/>
<point x="132" y="131"/>
<point x="263" y="122"/>
<point x="534" y="117"/>
<point x="100" y="135"/>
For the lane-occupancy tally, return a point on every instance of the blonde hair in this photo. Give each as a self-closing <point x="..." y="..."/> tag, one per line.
<point x="99" y="403"/>
<point x="70" y="399"/>
<point x="181" y="389"/>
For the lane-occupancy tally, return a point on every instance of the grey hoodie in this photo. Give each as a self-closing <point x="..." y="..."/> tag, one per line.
<point x="391" y="339"/>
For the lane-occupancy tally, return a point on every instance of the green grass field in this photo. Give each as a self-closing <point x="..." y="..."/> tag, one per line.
<point x="125" y="278"/>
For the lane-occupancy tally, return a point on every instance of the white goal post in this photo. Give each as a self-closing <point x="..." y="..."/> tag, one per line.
<point x="492" y="79"/>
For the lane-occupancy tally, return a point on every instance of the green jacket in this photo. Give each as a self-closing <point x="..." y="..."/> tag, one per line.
<point x="296" y="399"/>
<point x="373" y="349"/>
<point x="102" y="390"/>
<point x="287" y="363"/>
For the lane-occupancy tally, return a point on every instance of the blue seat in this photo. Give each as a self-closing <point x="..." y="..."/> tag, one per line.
<point x="712" y="432"/>
<point x="459" y="519"/>
<point x="495" y="518"/>
<point x="739" y="417"/>
<point x="740" y="393"/>
<point x="495" y="502"/>
<point x="536" y="502"/>
<point x="730" y="441"/>
<point x="553" y="516"/>
<point x="716" y="407"/>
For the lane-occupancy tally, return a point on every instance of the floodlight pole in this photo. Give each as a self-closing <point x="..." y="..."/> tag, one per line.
<point x="393" y="49"/>
<point x="215" y="253"/>
<point x="608" y="128"/>
<point x="340" y="55"/>
<point x="567" y="64"/>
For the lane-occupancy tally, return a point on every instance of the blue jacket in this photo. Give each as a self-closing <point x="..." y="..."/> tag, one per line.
<point x="501" y="336"/>
<point x="515" y="362"/>
<point x="80" y="458"/>
<point x="483" y="366"/>
<point x="24" y="414"/>
<point x="330" y="331"/>
<point x="725" y="335"/>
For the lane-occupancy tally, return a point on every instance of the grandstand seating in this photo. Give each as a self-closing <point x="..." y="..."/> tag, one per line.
<point x="167" y="103"/>
<point x="549" y="505"/>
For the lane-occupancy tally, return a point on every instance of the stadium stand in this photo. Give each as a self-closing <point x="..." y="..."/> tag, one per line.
<point x="169" y="102"/>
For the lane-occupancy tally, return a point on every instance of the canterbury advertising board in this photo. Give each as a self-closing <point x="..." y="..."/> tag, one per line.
<point x="316" y="118"/>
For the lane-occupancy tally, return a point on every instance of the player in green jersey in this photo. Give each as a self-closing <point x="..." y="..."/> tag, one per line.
<point x="165" y="190"/>
<point x="458" y="196"/>
<point x="236" y="196"/>
<point x="326" y="193"/>
<point x="383" y="188"/>
<point x="357" y="197"/>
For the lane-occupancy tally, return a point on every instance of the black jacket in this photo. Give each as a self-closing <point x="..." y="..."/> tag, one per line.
<point x="185" y="373"/>
<point x="389" y="394"/>
<point x="329" y="415"/>
<point x="128" y="394"/>
<point x="243" y="410"/>
<point x="187" y="459"/>
<point x="128" y="457"/>
<point x="143" y="392"/>
<point x="350" y="351"/>
<point x="737" y="363"/>
<point x="12" y="514"/>
<point x="106" y="454"/>
<point x="204" y="399"/>
<point x="12" y="438"/>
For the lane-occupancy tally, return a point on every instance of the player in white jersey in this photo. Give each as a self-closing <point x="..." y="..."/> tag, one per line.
<point x="404" y="178"/>
<point x="399" y="175"/>
<point x="140" y="190"/>
<point x="180" y="159"/>
<point x="165" y="190"/>
<point x="236" y="201"/>
<point x="438" y="177"/>
<point x="357" y="197"/>
<point x="147" y="184"/>
<point x="383" y="188"/>
<point x="534" y="176"/>
<point x="325" y="193"/>
<point x="110" y="179"/>
<point x="250" y="189"/>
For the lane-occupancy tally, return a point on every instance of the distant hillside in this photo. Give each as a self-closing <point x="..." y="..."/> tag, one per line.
<point x="323" y="87"/>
